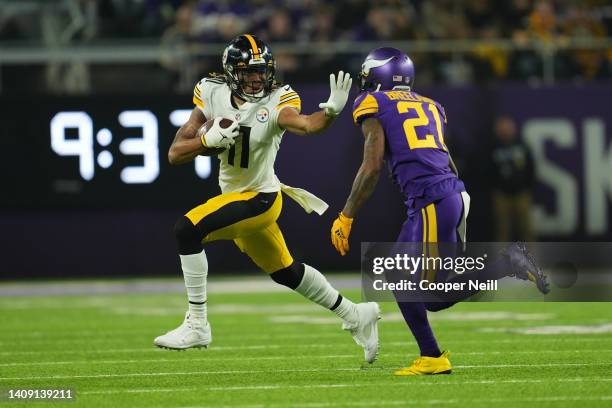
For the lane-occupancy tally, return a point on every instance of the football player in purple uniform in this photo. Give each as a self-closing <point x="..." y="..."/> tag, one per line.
<point x="406" y="130"/>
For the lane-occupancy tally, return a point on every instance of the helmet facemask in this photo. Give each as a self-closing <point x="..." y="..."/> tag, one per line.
<point x="251" y="83"/>
<point x="365" y="85"/>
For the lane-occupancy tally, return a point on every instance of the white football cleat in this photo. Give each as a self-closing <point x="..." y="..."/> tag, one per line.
<point x="192" y="333"/>
<point x="365" y="331"/>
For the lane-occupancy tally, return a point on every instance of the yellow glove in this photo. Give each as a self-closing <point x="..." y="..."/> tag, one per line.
<point x="341" y="229"/>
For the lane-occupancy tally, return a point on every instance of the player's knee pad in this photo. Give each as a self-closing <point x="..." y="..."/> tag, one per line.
<point x="290" y="276"/>
<point x="187" y="237"/>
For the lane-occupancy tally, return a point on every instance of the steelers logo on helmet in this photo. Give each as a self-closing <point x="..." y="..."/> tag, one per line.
<point x="249" y="68"/>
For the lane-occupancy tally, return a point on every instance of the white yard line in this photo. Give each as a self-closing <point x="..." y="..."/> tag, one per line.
<point x="407" y="383"/>
<point x="61" y="334"/>
<point x="284" y="357"/>
<point x="102" y="336"/>
<point x="415" y="401"/>
<point x="231" y="372"/>
<point x="236" y="388"/>
<point x="408" y="342"/>
<point x="247" y="284"/>
<point x="178" y="373"/>
<point x="174" y="360"/>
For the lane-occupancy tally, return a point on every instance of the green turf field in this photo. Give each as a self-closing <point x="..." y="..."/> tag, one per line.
<point x="276" y="349"/>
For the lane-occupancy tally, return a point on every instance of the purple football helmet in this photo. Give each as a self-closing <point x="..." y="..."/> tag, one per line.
<point x="385" y="68"/>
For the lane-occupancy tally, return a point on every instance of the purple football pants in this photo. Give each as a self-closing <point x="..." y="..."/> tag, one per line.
<point x="437" y="222"/>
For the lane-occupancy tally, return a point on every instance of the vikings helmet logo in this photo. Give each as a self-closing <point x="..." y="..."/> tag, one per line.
<point x="372" y="63"/>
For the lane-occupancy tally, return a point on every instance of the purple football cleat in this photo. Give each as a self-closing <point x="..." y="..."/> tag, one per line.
<point x="525" y="267"/>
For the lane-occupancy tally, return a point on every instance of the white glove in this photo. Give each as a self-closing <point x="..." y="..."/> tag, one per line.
<point x="219" y="137"/>
<point x="339" y="93"/>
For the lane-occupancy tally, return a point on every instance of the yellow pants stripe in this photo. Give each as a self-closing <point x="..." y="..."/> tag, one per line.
<point x="258" y="236"/>
<point x="214" y="204"/>
<point x="250" y="225"/>
<point x="433" y="224"/>
<point x="432" y="239"/>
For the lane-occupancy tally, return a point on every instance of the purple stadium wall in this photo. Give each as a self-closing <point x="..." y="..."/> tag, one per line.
<point x="56" y="224"/>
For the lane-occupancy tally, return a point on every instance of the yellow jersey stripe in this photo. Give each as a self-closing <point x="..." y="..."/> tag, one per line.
<point x="198" y="102"/>
<point x="296" y="103"/>
<point x="289" y="99"/>
<point x="362" y="112"/>
<point x="367" y="105"/>
<point x="253" y="44"/>
<point x="285" y="96"/>
<point x="368" y="102"/>
<point x="197" y="91"/>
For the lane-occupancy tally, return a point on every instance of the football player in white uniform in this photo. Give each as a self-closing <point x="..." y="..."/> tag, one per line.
<point x="251" y="199"/>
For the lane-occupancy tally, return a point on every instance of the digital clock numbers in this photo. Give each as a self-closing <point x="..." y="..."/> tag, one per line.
<point x="144" y="143"/>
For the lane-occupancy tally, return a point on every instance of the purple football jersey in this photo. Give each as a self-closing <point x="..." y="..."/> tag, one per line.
<point x="415" y="152"/>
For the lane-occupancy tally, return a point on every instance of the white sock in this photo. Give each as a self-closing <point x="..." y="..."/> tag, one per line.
<point x="315" y="287"/>
<point x="195" y="271"/>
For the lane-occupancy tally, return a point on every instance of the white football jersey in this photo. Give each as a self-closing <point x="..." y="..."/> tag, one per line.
<point x="249" y="164"/>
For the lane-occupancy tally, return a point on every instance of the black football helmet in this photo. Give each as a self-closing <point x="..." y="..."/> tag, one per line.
<point x="245" y="55"/>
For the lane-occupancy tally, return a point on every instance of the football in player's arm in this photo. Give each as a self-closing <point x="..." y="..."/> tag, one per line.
<point x="192" y="139"/>
<point x="241" y="117"/>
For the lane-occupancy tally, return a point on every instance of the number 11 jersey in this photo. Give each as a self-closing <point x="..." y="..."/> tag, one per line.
<point x="415" y="151"/>
<point x="249" y="164"/>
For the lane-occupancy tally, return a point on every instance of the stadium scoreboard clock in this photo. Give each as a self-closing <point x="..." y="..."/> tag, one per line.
<point x="102" y="152"/>
<point x="144" y="142"/>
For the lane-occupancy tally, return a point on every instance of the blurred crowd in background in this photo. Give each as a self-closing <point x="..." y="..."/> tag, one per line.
<point x="312" y="25"/>
<point x="318" y="23"/>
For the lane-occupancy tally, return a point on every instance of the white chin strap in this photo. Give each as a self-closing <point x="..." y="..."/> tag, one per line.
<point x="256" y="96"/>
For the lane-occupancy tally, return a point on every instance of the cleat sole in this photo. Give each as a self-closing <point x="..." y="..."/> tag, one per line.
<point x="182" y="349"/>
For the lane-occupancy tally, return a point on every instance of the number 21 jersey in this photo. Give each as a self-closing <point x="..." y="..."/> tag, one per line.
<point x="415" y="151"/>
